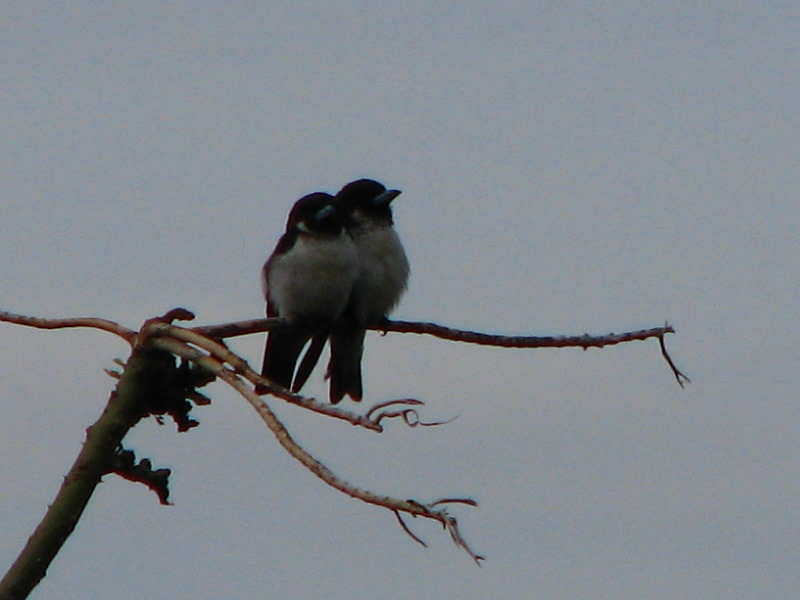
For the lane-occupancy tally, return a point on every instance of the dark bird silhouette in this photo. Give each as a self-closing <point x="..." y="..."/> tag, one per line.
<point x="308" y="281"/>
<point x="383" y="272"/>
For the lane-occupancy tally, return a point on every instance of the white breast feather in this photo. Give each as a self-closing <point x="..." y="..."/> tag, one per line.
<point x="383" y="274"/>
<point x="315" y="278"/>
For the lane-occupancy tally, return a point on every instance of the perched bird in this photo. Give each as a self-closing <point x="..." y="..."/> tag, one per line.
<point x="383" y="273"/>
<point x="307" y="281"/>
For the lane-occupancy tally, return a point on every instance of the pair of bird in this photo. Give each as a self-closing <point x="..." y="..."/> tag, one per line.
<point x="338" y="268"/>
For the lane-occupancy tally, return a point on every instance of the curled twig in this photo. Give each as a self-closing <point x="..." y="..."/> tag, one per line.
<point x="411" y="418"/>
<point x="409" y="415"/>
<point x="404" y="402"/>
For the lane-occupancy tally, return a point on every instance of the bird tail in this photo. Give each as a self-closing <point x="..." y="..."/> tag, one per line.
<point x="310" y="360"/>
<point x="344" y="369"/>
<point x="280" y="356"/>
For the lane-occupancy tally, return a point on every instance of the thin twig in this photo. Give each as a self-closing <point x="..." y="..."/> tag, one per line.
<point x="93" y="322"/>
<point x="521" y="341"/>
<point x="467" y="501"/>
<point x="679" y="376"/>
<point x="406" y="528"/>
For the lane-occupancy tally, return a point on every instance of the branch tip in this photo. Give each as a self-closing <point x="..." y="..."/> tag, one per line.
<point x="467" y="501"/>
<point x="177" y="314"/>
<point x="407" y="530"/>
<point x="680" y="377"/>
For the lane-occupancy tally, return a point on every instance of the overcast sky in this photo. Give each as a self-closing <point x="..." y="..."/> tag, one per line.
<point x="566" y="167"/>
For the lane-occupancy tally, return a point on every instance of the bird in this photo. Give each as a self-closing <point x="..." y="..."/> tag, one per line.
<point x="383" y="272"/>
<point x="307" y="281"/>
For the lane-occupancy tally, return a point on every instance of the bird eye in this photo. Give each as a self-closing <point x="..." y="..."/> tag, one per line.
<point x="325" y="213"/>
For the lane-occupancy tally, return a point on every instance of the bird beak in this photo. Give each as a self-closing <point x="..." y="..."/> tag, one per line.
<point x="384" y="198"/>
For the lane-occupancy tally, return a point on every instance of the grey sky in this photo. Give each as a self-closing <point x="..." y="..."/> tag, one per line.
<point x="567" y="167"/>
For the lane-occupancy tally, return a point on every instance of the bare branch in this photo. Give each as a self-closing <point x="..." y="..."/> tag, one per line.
<point x="280" y="432"/>
<point x="521" y="341"/>
<point x="202" y="346"/>
<point x="224" y="355"/>
<point x="531" y="341"/>
<point x="474" y="337"/>
<point x="240" y="366"/>
<point x="284" y="438"/>
<point x="93" y="322"/>
<point x="94" y="460"/>
<point x="239" y="328"/>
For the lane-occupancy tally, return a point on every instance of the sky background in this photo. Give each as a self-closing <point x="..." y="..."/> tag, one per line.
<point x="566" y="167"/>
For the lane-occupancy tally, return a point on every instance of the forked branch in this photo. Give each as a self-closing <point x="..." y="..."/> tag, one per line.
<point x="202" y="346"/>
<point x="417" y="509"/>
